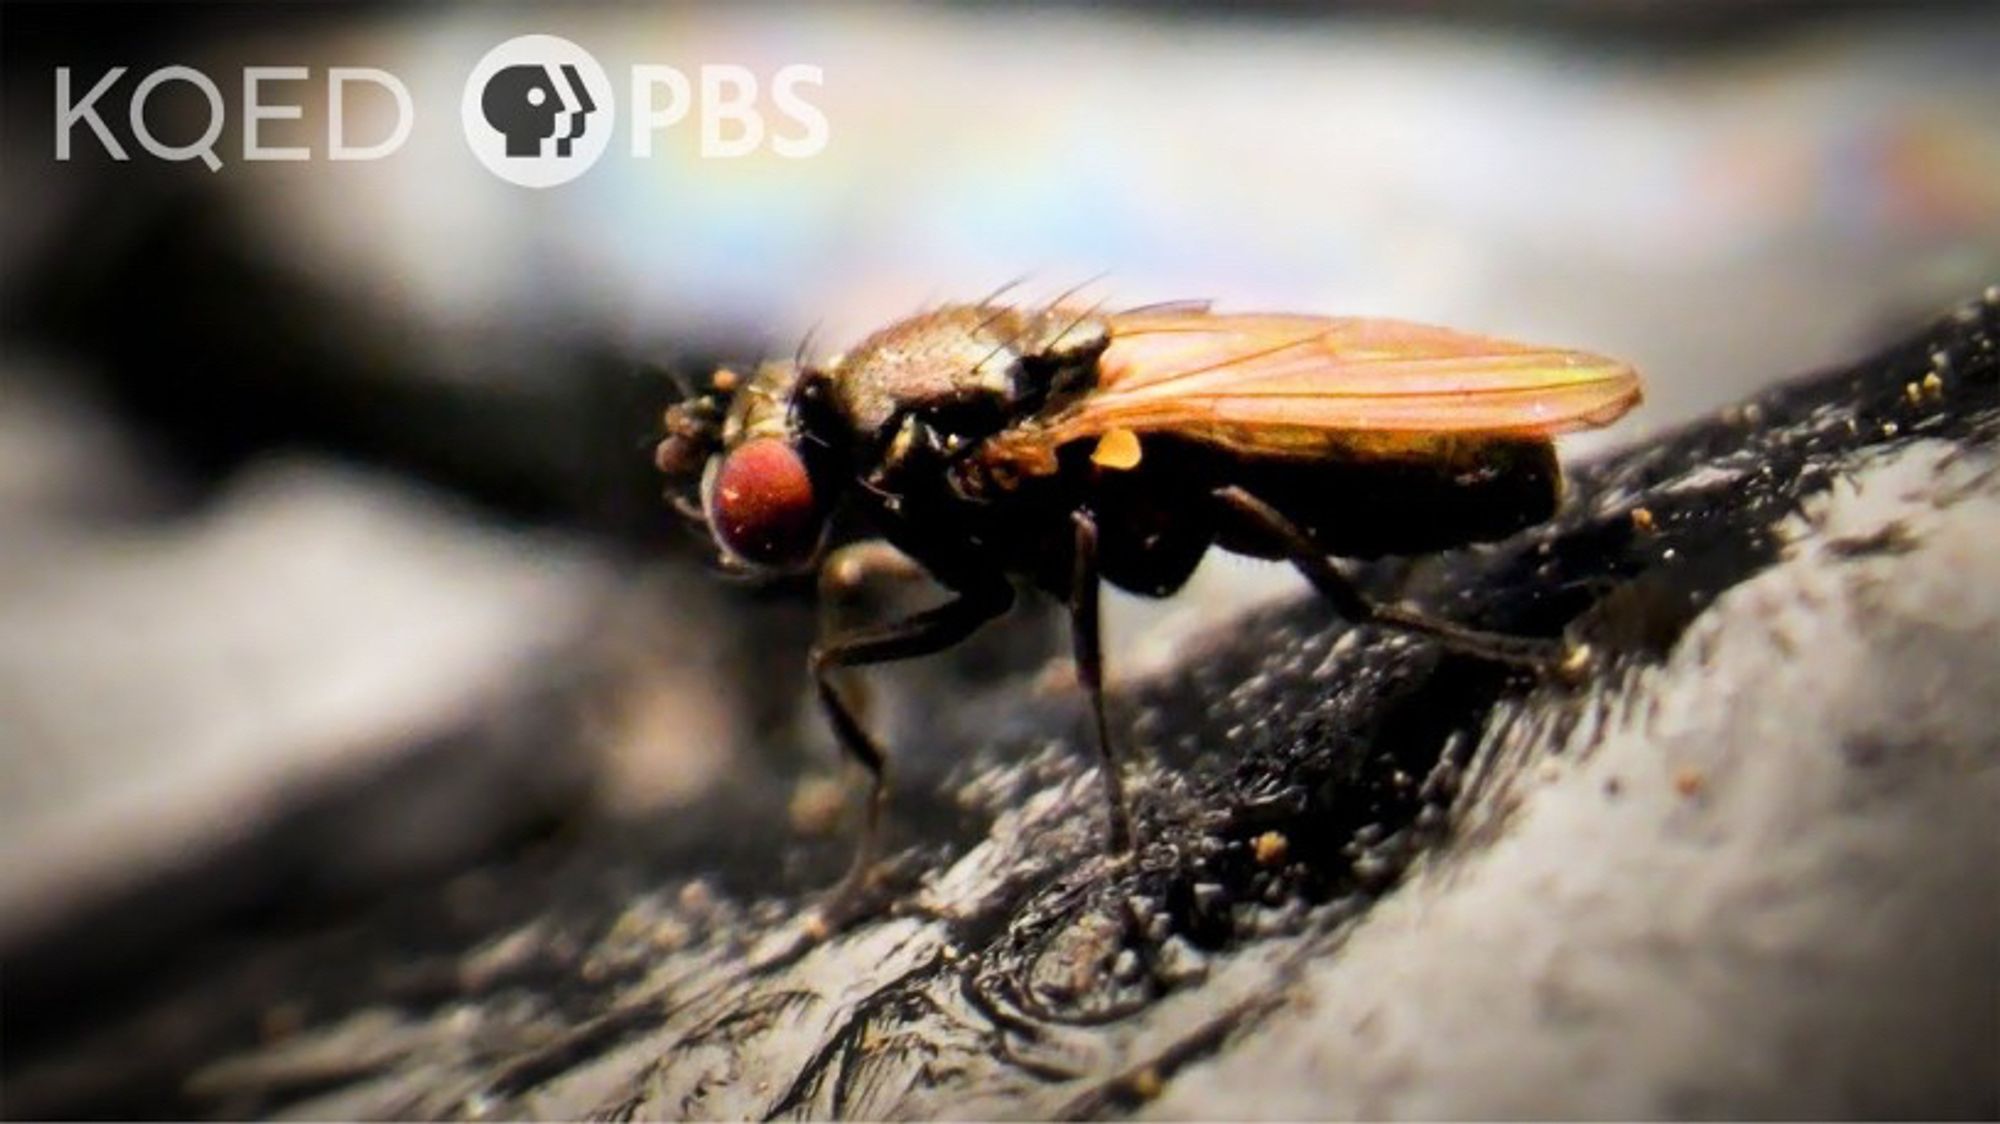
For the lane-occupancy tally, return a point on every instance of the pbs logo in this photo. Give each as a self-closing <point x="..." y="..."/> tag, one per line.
<point x="538" y="110"/>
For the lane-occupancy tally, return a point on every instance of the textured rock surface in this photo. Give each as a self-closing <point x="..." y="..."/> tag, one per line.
<point x="1746" y="869"/>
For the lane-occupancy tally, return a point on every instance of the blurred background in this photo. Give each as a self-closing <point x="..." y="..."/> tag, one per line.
<point x="331" y="554"/>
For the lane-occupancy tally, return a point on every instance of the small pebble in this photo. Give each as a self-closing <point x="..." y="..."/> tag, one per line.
<point x="1372" y="870"/>
<point x="1689" y="781"/>
<point x="696" y="897"/>
<point x="1270" y="848"/>
<point x="1125" y="967"/>
<point x="1179" y="962"/>
<point x="1575" y="662"/>
<point x="1208" y="896"/>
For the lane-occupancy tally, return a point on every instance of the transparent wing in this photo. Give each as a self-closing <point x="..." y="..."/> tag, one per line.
<point x="1179" y="368"/>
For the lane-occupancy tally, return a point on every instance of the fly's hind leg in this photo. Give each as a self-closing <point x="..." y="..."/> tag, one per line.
<point x="1269" y="527"/>
<point x="923" y="634"/>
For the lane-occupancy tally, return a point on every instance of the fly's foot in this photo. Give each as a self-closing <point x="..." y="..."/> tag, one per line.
<point x="859" y="895"/>
<point x="1120" y="837"/>
<point x="1577" y="662"/>
<point x="1529" y="653"/>
<point x="871" y="888"/>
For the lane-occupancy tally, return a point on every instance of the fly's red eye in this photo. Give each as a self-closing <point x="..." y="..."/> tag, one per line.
<point x="761" y="506"/>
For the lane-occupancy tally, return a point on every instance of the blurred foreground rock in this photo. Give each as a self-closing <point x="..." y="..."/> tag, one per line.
<point x="174" y="686"/>
<point x="1746" y="870"/>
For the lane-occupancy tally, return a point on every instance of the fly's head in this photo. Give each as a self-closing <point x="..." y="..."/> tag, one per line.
<point x="755" y="456"/>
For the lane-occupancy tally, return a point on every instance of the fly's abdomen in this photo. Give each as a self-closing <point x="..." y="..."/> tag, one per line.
<point x="1364" y="506"/>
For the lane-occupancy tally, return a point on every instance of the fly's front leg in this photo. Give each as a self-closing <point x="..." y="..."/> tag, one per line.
<point x="923" y="634"/>
<point x="1269" y="526"/>
<point x="847" y="578"/>
<point x="1084" y="597"/>
<point x="850" y="568"/>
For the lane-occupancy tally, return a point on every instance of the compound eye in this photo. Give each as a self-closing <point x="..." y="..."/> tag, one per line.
<point x="761" y="506"/>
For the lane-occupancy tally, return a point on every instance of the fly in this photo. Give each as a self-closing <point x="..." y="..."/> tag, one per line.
<point x="1062" y="447"/>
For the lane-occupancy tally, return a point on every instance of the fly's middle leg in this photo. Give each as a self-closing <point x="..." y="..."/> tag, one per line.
<point x="1087" y="636"/>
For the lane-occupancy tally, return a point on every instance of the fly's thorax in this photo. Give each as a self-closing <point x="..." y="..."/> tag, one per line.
<point x="1065" y="337"/>
<point x="971" y="370"/>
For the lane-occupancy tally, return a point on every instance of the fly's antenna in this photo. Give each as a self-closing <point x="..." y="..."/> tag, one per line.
<point x="692" y="434"/>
